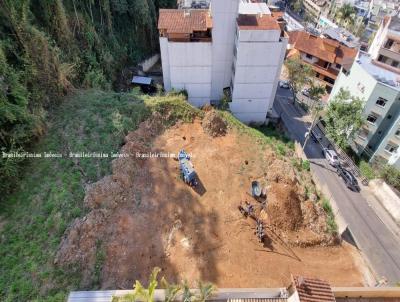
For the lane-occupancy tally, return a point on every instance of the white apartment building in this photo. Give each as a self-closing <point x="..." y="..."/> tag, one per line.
<point x="380" y="90"/>
<point x="236" y="47"/>
<point x="375" y="77"/>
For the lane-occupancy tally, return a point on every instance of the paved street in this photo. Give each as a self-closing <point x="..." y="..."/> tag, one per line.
<point x="376" y="241"/>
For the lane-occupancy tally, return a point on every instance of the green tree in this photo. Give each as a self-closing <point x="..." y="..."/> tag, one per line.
<point x="297" y="6"/>
<point x="299" y="74"/>
<point x="344" y="117"/>
<point x="346" y="15"/>
<point x="316" y="91"/>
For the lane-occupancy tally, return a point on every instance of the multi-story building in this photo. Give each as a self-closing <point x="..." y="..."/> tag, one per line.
<point x="325" y="56"/>
<point x="236" y="47"/>
<point x="375" y="78"/>
<point x="379" y="88"/>
<point x="385" y="48"/>
<point x="317" y="8"/>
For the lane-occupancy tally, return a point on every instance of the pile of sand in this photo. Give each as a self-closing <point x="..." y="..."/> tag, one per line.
<point x="214" y="125"/>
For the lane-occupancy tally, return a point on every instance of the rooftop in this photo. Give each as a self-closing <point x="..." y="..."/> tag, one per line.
<point x="341" y="294"/>
<point x="253" y="8"/>
<point x="323" y="48"/>
<point x="342" y="36"/>
<point x="381" y="74"/>
<point x="257" y="22"/>
<point x="313" y="290"/>
<point x="184" y="21"/>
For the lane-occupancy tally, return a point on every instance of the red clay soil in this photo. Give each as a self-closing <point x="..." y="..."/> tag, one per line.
<point x="144" y="216"/>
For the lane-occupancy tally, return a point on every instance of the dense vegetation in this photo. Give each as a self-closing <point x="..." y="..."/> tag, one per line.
<point x="50" y="47"/>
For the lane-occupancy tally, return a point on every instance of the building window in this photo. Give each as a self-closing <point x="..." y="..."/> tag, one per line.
<point x="389" y="116"/>
<point x="326" y="65"/>
<point x="395" y="64"/>
<point x="397" y="133"/>
<point x="389" y="43"/>
<point x="372" y="118"/>
<point x="382" y="59"/>
<point x="329" y="80"/>
<point x="338" y="66"/>
<point x="381" y="102"/>
<point x="308" y="56"/>
<point x="391" y="148"/>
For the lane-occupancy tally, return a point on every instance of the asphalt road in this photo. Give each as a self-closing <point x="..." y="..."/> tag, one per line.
<point x="380" y="246"/>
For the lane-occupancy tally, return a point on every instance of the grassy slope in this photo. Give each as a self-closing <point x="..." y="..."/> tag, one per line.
<point x="50" y="194"/>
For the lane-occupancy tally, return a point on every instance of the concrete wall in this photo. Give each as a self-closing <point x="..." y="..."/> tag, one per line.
<point x="224" y="14"/>
<point x="390" y="137"/>
<point x="378" y="41"/>
<point x="259" y="57"/>
<point x="188" y="66"/>
<point x="149" y="62"/>
<point x="387" y="197"/>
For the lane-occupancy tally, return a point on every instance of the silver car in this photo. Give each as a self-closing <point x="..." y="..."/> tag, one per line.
<point x="332" y="157"/>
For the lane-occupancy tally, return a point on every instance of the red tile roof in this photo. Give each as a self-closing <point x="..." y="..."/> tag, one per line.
<point x="313" y="290"/>
<point x="326" y="49"/>
<point x="255" y="22"/>
<point x="179" y="21"/>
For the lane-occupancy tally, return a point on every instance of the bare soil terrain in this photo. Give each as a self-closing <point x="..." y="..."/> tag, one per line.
<point x="144" y="215"/>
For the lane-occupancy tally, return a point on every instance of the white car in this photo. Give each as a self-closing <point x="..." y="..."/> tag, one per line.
<point x="331" y="156"/>
<point x="284" y="84"/>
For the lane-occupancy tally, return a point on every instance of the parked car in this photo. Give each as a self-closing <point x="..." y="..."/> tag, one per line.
<point x="316" y="137"/>
<point x="331" y="156"/>
<point x="348" y="178"/>
<point x="284" y="84"/>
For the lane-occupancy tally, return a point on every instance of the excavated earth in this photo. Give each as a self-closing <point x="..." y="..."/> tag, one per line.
<point x="143" y="216"/>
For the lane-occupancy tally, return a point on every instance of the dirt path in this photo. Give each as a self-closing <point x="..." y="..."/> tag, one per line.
<point x="201" y="234"/>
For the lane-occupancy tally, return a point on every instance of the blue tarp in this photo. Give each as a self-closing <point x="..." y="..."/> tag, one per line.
<point x="141" y="80"/>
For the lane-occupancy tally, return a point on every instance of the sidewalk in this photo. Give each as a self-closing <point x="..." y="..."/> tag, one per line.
<point x="381" y="212"/>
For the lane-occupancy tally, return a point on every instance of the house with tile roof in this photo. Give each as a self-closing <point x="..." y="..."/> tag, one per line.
<point x="234" y="49"/>
<point x="325" y="56"/>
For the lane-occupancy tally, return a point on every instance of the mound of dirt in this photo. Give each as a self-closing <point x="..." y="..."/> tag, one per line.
<point x="284" y="207"/>
<point x="281" y="172"/>
<point x="79" y="244"/>
<point x="214" y="125"/>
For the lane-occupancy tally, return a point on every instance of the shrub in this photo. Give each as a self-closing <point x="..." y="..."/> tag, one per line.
<point x="305" y="164"/>
<point x="366" y="170"/>
<point x="95" y="78"/>
<point x="330" y="221"/>
<point x="391" y="175"/>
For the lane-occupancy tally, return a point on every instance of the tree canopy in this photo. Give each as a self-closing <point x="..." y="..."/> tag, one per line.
<point x="48" y="48"/>
<point x="299" y="74"/>
<point x="344" y="117"/>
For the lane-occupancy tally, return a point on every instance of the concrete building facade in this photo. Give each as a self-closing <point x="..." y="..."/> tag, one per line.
<point x="236" y="48"/>
<point x="379" y="88"/>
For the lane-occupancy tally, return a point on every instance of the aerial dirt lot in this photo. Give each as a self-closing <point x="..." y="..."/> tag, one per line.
<point x="144" y="216"/>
